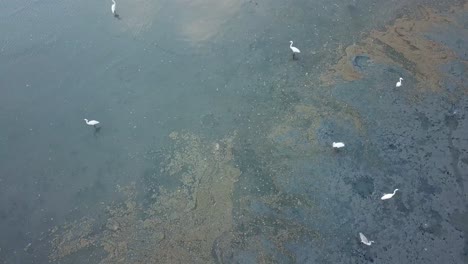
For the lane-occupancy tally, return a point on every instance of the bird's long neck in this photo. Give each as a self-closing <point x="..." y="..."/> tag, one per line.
<point x="290" y="45"/>
<point x="395" y="191"/>
<point x="113" y="1"/>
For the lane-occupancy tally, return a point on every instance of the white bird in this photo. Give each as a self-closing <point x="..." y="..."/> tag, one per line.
<point x="387" y="196"/>
<point x="91" y="122"/>
<point x="338" y="144"/>
<point x="364" y="239"/>
<point x="113" y="9"/>
<point x="294" y="49"/>
<point x="398" y="84"/>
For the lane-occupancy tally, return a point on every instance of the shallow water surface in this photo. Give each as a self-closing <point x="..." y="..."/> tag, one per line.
<point x="215" y="144"/>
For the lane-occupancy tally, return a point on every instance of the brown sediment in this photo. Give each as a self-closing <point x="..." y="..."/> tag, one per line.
<point x="180" y="227"/>
<point x="307" y="118"/>
<point x="204" y="206"/>
<point x="402" y="44"/>
<point x="344" y="68"/>
<point x="73" y="237"/>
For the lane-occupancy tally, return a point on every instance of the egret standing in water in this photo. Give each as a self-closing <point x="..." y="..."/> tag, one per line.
<point x="387" y="196"/>
<point x="398" y="84"/>
<point x="113" y="9"/>
<point x="338" y="145"/>
<point x="93" y="123"/>
<point x="364" y="239"/>
<point x="294" y="49"/>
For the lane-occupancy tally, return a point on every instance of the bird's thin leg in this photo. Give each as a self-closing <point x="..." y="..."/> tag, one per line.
<point x="294" y="56"/>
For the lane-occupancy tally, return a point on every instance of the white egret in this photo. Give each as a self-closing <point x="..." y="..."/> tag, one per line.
<point x="387" y="196"/>
<point x="364" y="239"/>
<point x="398" y="84"/>
<point x="91" y="122"/>
<point x="338" y="145"/>
<point x="294" y="49"/>
<point x="113" y="9"/>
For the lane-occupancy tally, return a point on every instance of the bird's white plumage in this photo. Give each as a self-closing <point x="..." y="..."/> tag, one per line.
<point x="387" y="196"/>
<point x="398" y="84"/>
<point x="91" y="122"/>
<point x="113" y="7"/>
<point x="294" y="49"/>
<point x="338" y="144"/>
<point x="364" y="239"/>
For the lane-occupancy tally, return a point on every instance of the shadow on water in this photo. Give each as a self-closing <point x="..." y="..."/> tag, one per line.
<point x="97" y="130"/>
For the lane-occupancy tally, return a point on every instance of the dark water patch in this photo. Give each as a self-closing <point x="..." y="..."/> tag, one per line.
<point x="457" y="69"/>
<point x="260" y="208"/>
<point x="450" y="86"/>
<point x="433" y="224"/>
<point x="423" y="120"/>
<point x="426" y="187"/>
<point x="451" y="121"/>
<point x="397" y="56"/>
<point x="361" y="61"/>
<point x="292" y="135"/>
<point x="452" y="37"/>
<point x="256" y="173"/>
<point x="358" y="19"/>
<point x="353" y="10"/>
<point x="455" y="77"/>
<point x="303" y="251"/>
<point x="272" y="254"/>
<point x="460" y="220"/>
<point x="464" y="160"/>
<point x="403" y="207"/>
<point x="282" y="230"/>
<point x="364" y="186"/>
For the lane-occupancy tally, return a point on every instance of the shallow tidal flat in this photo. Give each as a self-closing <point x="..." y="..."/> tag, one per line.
<point x="421" y="45"/>
<point x="287" y="196"/>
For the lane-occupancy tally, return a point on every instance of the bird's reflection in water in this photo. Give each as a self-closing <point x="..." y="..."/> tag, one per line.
<point x="96" y="131"/>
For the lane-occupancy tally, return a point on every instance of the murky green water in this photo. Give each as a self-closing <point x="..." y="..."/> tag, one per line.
<point x="215" y="145"/>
